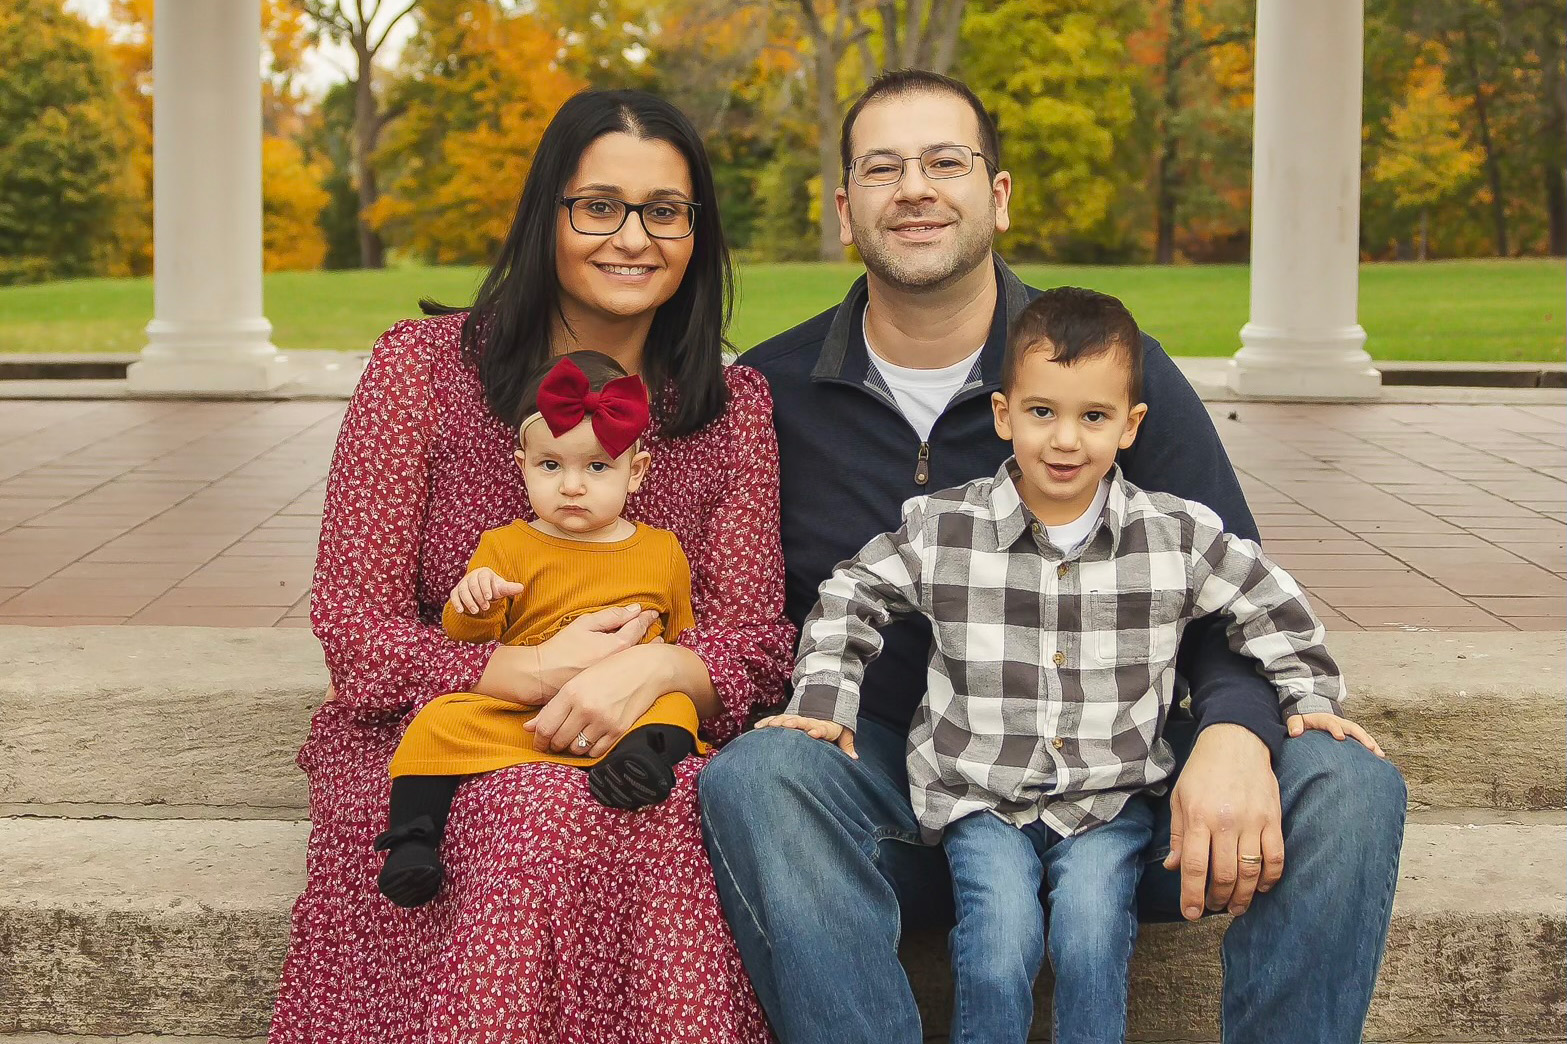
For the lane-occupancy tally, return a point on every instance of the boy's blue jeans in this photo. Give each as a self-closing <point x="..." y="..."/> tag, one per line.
<point x="819" y="867"/>
<point x="1004" y="879"/>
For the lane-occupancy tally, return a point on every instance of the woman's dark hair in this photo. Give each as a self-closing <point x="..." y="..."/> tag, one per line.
<point x="507" y="331"/>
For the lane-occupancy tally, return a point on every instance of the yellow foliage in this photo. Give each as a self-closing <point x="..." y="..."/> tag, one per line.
<point x="292" y="200"/>
<point x="131" y="49"/>
<point x="452" y="190"/>
<point x="1424" y="158"/>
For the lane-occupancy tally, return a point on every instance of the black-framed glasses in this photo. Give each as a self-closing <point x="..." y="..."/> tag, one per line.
<point x="880" y="169"/>
<point x="604" y="216"/>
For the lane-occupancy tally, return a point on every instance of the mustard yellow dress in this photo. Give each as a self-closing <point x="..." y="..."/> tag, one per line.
<point x="463" y="733"/>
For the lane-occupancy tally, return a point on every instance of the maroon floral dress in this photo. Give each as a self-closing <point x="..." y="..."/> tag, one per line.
<point x="560" y="919"/>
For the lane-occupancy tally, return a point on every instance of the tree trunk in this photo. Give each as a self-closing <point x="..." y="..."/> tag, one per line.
<point x="1166" y="174"/>
<point x="828" y="164"/>
<point x="1493" y="167"/>
<point x="1556" y="210"/>
<point x="1554" y="179"/>
<point x="367" y="128"/>
<point x="946" y="27"/>
<point x="1421" y="252"/>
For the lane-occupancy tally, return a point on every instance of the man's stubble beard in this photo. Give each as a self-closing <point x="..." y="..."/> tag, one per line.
<point x="930" y="271"/>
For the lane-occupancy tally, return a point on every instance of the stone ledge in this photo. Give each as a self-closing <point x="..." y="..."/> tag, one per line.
<point x="177" y="721"/>
<point x="156" y="716"/>
<point x="117" y="927"/>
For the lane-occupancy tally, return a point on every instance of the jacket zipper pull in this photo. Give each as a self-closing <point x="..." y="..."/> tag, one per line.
<point x="922" y="465"/>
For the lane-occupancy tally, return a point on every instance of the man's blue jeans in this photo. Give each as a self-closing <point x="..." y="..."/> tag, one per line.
<point x="819" y="866"/>
<point x="1003" y="880"/>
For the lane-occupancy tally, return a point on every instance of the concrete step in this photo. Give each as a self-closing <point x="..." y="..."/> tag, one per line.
<point x="134" y="1038"/>
<point x="205" y="722"/>
<point x="115" y="927"/>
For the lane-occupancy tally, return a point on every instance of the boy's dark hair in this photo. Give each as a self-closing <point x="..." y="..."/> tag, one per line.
<point x="599" y="369"/>
<point x="1074" y="324"/>
<point x="897" y="82"/>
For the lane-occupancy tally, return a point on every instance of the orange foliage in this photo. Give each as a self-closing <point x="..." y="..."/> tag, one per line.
<point x="501" y="71"/>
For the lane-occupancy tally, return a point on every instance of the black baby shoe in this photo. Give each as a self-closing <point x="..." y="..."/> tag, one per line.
<point x="412" y="872"/>
<point x="640" y="771"/>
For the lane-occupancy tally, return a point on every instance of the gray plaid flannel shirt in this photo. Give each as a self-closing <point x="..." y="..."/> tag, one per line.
<point x="1051" y="676"/>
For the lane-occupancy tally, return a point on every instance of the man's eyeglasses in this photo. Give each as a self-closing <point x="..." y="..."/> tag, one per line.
<point x="603" y="216"/>
<point x="879" y="169"/>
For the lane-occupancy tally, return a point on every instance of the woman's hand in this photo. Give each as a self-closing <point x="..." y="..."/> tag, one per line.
<point x="605" y="700"/>
<point x="532" y="675"/>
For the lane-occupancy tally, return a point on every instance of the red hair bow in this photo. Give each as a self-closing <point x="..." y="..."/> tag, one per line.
<point x="619" y="409"/>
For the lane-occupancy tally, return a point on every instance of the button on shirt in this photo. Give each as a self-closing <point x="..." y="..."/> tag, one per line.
<point x="1001" y="730"/>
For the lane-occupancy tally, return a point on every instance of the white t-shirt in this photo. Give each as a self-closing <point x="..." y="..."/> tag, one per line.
<point x="1067" y="537"/>
<point x="921" y="394"/>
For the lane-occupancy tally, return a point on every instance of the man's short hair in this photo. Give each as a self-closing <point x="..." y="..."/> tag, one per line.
<point x="898" y="82"/>
<point x="1074" y="324"/>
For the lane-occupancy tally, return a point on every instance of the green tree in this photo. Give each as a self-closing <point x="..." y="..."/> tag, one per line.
<point x="64" y="135"/>
<point x="1055" y="75"/>
<point x="329" y="142"/>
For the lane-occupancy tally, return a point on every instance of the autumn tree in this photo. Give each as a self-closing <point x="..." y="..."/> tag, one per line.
<point x="64" y="134"/>
<point x="1196" y="59"/>
<point x="1505" y="60"/>
<point x="291" y="237"/>
<point x="867" y="37"/>
<point x="481" y="86"/>
<point x="130" y="48"/>
<point x="364" y="26"/>
<point x="1423" y="157"/>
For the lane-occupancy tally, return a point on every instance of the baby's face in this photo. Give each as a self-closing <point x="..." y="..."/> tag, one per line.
<point x="573" y="484"/>
<point x="1066" y="423"/>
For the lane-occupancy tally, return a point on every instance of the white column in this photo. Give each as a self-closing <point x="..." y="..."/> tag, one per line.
<point x="209" y="334"/>
<point x="1304" y="340"/>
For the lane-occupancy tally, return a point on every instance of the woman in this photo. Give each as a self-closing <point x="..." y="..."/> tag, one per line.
<point x="560" y="919"/>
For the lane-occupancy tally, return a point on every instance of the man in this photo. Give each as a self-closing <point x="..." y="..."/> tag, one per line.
<point x="885" y="397"/>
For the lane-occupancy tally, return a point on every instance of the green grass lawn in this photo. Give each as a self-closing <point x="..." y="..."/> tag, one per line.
<point x="1450" y="310"/>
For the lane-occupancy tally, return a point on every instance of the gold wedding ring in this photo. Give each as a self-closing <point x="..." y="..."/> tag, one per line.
<point x="1250" y="859"/>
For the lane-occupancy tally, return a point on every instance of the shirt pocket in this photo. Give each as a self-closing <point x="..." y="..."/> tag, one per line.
<point x="1132" y="627"/>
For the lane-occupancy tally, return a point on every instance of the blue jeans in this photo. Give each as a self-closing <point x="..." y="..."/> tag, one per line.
<point x="819" y="866"/>
<point x="1000" y="874"/>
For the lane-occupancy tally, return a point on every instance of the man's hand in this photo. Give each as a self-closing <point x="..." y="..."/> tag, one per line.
<point x="1226" y="830"/>
<point x="817" y="728"/>
<point x="474" y="592"/>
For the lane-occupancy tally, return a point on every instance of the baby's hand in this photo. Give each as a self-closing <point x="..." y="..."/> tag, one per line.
<point x="1337" y="727"/>
<point x="830" y="731"/>
<point x="474" y="592"/>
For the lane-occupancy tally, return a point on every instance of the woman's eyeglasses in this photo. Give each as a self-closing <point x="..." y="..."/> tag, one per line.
<point x="603" y="216"/>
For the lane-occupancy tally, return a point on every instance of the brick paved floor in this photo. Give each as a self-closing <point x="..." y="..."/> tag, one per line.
<point x="1392" y="516"/>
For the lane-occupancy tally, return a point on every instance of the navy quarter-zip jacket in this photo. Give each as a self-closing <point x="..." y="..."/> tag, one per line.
<point x="849" y="459"/>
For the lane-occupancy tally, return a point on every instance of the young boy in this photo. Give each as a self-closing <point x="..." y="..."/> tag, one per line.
<point x="1057" y="593"/>
<point x="580" y="450"/>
